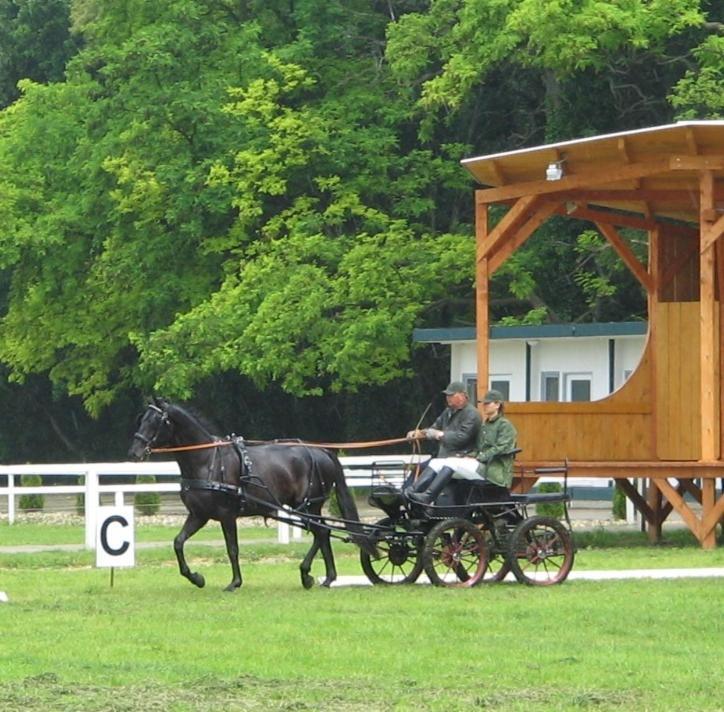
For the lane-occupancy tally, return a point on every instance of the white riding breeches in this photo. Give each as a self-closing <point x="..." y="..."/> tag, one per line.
<point x="466" y="468"/>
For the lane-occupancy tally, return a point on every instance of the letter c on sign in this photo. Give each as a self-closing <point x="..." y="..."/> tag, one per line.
<point x="104" y="535"/>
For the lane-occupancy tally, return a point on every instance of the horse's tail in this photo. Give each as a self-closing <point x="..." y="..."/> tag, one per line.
<point x="348" y="508"/>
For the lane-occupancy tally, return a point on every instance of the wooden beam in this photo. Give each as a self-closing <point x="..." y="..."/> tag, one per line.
<point x="709" y="328"/>
<point x="627" y="255"/>
<point x="678" y="196"/>
<point x="601" y="175"/>
<point x="482" y="317"/>
<point x="679" y="505"/>
<point x="712" y="515"/>
<point x="521" y="235"/>
<point x="696" y="163"/>
<point x="635" y="496"/>
<point x="711" y="232"/>
<point x="518" y="214"/>
<point x="611" y="218"/>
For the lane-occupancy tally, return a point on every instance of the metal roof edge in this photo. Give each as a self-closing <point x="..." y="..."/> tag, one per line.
<point x="540" y="331"/>
<point x="586" y="139"/>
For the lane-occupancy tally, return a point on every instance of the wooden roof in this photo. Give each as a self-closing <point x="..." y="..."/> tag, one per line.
<point x="653" y="172"/>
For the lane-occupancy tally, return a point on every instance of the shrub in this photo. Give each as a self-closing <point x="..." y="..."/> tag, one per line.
<point x="31" y="502"/>
<point x="618" y="504"/>
<point x="147" y="503"/>
<point x="550" y="509"/>
<point x="80" y="499"/>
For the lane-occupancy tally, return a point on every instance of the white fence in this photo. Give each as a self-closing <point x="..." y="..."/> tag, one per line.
<point x="358" y="473"/>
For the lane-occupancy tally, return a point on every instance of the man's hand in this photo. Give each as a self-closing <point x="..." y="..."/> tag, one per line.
<point x="416" y="435"/>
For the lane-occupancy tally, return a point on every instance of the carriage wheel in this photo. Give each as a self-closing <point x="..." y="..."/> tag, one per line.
<point x="540" y="552"/>
<point x="398" y="559"/>
<point x="455" y="554"/>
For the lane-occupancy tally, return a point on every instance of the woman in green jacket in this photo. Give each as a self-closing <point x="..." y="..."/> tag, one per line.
<point x="493" y="458"/>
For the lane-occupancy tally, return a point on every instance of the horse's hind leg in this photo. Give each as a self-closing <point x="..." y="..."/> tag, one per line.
<point x="228" y="526"/>
<point x="192" y="524"/>
<point x="306" y="566"/>
<point x="325" y="544"/>
<point x="321" y="541"/>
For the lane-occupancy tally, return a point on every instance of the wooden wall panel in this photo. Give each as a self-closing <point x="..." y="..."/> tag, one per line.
<point x="678" y="394"/>
<point x="615" y="428"/>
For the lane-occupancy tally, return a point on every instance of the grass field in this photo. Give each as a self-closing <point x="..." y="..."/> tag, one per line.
<point x="154" y="642"/>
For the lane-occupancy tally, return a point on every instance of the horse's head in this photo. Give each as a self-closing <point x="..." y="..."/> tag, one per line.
<point x="154" y="428"/>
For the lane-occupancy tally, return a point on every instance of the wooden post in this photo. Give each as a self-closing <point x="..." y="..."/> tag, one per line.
<point x="653" y="309"/>
<point x="654" y="502"/>
<point x="709" y="323"/>
<point x="482" y="317"/>
<point x="708" y="501"/>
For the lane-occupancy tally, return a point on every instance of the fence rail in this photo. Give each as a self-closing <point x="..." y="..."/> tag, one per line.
<point x="89" y="482"/>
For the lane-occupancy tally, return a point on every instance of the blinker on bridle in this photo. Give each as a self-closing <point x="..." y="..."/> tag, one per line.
<point x="163" y="420"/>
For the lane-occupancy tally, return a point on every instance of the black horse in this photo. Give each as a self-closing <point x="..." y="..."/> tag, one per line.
<point x="223" y="479"/>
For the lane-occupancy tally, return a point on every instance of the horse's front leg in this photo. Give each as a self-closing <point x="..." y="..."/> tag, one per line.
<point x="192" y="524"/>
<point x="228" y="525"/>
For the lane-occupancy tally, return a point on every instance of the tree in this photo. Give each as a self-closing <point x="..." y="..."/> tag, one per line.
<point x="35" y="43"/>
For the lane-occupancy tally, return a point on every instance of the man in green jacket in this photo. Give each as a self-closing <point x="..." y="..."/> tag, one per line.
<point x="455" y="430"/>
<point x="492" y="460"/>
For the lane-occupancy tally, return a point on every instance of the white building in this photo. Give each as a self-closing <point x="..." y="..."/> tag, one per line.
<point x="551" y="362"/>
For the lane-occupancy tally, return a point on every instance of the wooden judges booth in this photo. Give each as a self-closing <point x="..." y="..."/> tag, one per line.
<point x="664" y="424"/>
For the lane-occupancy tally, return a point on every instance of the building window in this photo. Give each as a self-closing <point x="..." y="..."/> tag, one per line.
<point x="471" y="386"/>
<point x="550" y="386"/>
<point x="578" y="386"/>
<point x="502" y="384"/>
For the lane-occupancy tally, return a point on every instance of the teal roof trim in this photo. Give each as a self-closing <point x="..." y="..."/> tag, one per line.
<point x="541" y="331"/>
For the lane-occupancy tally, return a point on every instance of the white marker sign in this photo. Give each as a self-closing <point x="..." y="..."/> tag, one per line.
<point x="114" y="537"/>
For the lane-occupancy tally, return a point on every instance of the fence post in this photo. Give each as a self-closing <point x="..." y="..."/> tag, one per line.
<point x="91" y="508"/>
<point x="282" y="528"/>
<point x="11" y="497"/>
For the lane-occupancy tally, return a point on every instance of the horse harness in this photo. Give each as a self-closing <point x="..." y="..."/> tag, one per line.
<point x="215" y="482"/>
<point x="246" y="478"/>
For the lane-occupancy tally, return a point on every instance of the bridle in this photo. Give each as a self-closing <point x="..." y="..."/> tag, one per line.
<point x="161" y="422"/>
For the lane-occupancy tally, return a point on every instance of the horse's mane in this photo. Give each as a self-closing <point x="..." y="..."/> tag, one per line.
<point x="191" y="412"/>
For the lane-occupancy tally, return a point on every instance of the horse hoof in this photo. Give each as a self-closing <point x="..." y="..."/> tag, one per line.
<point x="327" y="583"/>
<point x="197" y="580"/>
<point x="307" y="581"/>
<point x="233" y="586"/>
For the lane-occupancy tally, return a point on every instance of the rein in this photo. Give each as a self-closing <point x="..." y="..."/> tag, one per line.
<point x="326" y="446"/>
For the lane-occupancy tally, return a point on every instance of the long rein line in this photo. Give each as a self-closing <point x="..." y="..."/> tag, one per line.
<point x="328" y="446"/>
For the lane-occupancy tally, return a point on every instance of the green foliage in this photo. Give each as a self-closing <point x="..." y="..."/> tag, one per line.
<point x="31" y="502"/>
<point x="550" y="509"/>
<point x="35" y="43"/>
<point x="700" y="93"/>
<point x="618" y="505"/>
<point x="194" y="192"/>
<point x="80" y="499"/>
<point x="146" y="503"/>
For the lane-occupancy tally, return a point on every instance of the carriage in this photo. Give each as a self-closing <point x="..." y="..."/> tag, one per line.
<point x="475" y="532"/>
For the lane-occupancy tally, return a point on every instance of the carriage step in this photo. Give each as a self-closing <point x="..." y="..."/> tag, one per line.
<point x="540" y="498"/>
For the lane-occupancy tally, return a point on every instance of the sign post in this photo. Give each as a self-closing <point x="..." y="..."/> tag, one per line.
<point x="115" y="538"/>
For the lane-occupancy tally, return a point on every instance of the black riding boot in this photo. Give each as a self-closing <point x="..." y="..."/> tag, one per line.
<point x="422" y="482"/>
<point x="437" y="486"/>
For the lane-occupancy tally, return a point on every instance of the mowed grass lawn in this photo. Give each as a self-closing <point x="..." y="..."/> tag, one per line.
<point x="68" y="641"/>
